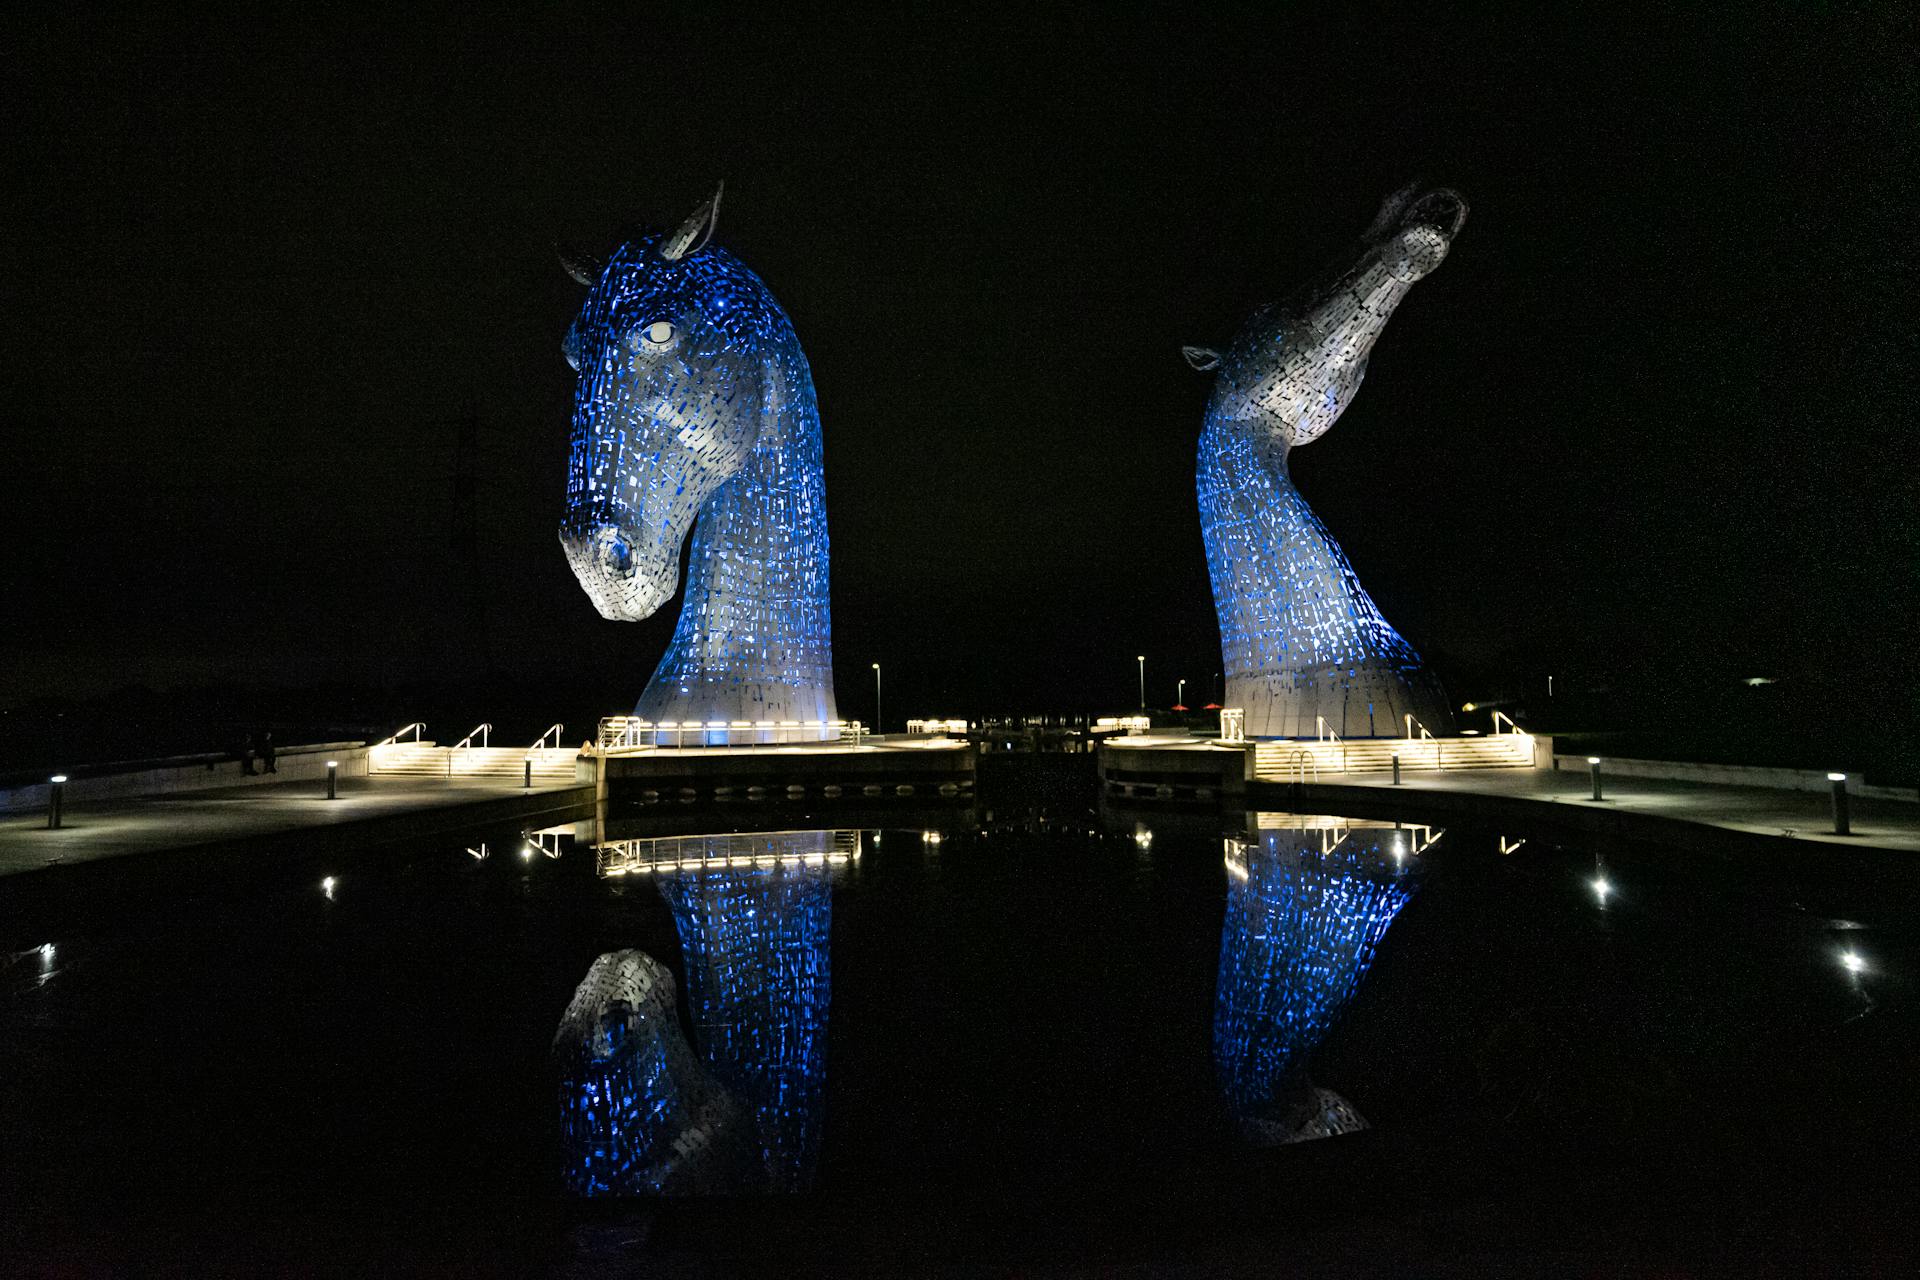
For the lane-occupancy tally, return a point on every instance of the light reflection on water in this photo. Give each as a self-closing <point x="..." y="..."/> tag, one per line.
<point x="732" y="1104"/>
<point x="1307" y="904"/>
<point x="642" y="1111"/>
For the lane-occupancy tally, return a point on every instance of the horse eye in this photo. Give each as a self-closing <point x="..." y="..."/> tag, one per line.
<point x="659" y="333"/>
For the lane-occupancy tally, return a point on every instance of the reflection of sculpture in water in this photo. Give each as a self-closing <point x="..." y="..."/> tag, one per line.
<point x="1301" y="641"/>
<point x="1306" y="906"/>
<point x="639" y="1114"/>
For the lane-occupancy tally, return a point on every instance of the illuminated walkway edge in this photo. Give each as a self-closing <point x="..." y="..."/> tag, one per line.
<point x="229" y="828"/>
<point x="1744" y="819"/>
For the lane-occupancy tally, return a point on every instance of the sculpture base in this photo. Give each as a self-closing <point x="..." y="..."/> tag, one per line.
<point x="1370" y="701"/>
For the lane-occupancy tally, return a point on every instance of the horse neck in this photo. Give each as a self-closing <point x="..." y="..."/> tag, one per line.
<point x="1244" y="477"/>
<point x="1259" y="529"/>
<point x="757" y="588"/>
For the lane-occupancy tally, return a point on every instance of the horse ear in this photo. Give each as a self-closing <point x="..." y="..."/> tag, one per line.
<point x="584" y="269"/>
<point x="1205" y="359"/>
<point x="698" y="227"/>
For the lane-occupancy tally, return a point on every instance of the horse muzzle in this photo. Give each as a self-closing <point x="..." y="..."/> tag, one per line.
<point x="626" y="578"/>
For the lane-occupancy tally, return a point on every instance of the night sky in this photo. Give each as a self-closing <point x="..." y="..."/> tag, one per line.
<point x="1653" y="414"/>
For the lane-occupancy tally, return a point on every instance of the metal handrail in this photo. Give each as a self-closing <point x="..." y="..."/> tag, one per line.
<point x="417" y="728"/>
<point x="1328" y="735"/>
<point x="628" y="733"/>
<point x="553" y="731"/>
<point x="480" y="730"/>
<point x="1298" y="763"/>
<point x="1499" y="715"/>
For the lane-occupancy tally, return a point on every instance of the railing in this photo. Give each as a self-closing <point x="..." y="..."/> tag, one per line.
<point x="479" y="731"/>
<point x="1514" y="731"/>
<point x="1233" y="724"/>
<point x="1326" y="734"/>
<point x="1439" y="761"/>
<point x="553" y="731"/>
<point x="1299" y="761"/>
<point x="630" y="733"/>
<point x="937" y="726"/>
<point x="1134" y="725"/>
<point x="417" y="728"/>
<point x="698" y="853"/>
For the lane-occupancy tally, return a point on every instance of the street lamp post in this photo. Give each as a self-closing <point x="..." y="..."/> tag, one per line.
<point x="876" y="697"/>
<point x="1143" y="682"/>
<point x="1181" y="696"/>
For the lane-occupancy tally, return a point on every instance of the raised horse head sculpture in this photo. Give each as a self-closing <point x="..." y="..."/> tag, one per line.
<point x="1303" y="644"/>
<point x="695" y="410"/>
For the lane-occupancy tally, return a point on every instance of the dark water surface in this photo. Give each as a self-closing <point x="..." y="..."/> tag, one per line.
<point x="1032" y="1057"/>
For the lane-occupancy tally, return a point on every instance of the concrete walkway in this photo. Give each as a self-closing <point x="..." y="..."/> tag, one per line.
<point x="394" y="806"/>
<point x="1638" y="805"/>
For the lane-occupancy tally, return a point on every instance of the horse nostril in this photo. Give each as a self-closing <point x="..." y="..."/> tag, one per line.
<point x="619" y="556"/>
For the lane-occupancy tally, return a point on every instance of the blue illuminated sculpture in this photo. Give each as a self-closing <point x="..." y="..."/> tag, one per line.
<point x="758" y="981"/>
<point x="1301" y="641"/>
<point x="1306" y="906"/>
<point x="695" y="401"/>
<point x="641" y="1113"/>
<point x="638" y="1114"/>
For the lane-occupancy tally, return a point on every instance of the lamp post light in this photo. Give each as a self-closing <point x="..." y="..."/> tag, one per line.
<point x="1143" y="681"/>
<point x="1593" y="769"/>
<point x="876" y="698"/>
<point x="333" y="779"/>
<point x="1181" y="696"/>
<point x="1842" y="818"/>
<point x="56" y="800"/>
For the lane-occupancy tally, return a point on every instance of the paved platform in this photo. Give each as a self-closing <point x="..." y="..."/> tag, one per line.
<point x="235" y="815"/>
<point x="1643" y="803"/>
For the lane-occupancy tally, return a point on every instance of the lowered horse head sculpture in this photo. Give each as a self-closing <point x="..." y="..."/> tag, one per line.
<point x="695" y="404"/>
<point x="1303" y="645"/>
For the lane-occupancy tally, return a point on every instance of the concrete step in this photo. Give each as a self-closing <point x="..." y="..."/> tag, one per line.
<point x="1281" y="759"/>
<point x="550" y="764"/>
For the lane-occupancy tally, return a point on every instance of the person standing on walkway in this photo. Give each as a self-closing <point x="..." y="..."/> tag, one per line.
<point x="245" y="753"/>
<point x="266" y="753"/>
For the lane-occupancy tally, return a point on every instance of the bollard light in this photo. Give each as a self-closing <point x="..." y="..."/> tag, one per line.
<point x="333" y="779"/>
<point x="1396" y="768"/>
<point x="1593" y="768"/>
<point x="1842" y="818"/>
<point x="527" y="770"/>
<point x="56" y="799"/>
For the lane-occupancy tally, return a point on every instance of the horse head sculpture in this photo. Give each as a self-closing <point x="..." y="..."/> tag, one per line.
<point x="1294" y="368"/>
<point x="1303" y="645"/>
<point x="695" y="403"/>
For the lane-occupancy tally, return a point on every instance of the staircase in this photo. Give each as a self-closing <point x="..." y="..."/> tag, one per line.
<point x="418" y="758"/>
<point x="551" y="765"/>
<point x="1285" y="760"/>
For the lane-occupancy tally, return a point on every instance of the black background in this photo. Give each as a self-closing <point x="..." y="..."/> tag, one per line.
<point x="1648" y="423"/>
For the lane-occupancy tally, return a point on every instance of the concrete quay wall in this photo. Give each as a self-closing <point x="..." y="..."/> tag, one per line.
<point x="721" y="773"/>
<point x="1185" y="772"/>
<point x="1733" y="775"/>
<point x="293" y="763"/>
<point x="129" y="874"/>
